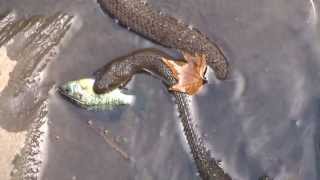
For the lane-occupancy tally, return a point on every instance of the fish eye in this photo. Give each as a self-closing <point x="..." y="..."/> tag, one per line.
<point x="67" y="90"/>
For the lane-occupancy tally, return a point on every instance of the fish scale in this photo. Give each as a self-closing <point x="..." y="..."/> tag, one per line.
<point x="81" y="93"/>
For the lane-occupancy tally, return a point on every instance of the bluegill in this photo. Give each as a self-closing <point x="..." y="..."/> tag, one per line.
<point x="81" y="92"/>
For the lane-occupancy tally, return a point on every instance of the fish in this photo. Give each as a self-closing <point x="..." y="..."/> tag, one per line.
<point x="81" y="93"/>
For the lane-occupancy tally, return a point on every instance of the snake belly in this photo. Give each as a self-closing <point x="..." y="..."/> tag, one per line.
<point x="166" y="30"/>
<point x="121" y="70"/>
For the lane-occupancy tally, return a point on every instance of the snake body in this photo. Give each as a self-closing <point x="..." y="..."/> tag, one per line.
<point x="143" y="19"/>
<point x="121" y="70"/>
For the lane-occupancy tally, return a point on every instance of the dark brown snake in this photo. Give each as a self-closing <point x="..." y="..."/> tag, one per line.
<point x="122" y="69"/>
<point x="141" y="18"/>
<point x="167" y="31"/>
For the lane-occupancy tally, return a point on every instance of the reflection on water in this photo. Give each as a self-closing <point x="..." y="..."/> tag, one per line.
<point x="262" y="120"/>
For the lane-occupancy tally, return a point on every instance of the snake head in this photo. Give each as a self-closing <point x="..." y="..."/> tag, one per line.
<point x="109" y="81"/>
<point x="105" y="85"/>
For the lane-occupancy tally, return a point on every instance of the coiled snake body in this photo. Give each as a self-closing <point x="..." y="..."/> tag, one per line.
<point x="169" y="32"/>
<point x="165" y="30"/>
<point x="121" y="70"/>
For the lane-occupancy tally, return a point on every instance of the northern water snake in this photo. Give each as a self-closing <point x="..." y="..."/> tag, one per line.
<point x="120" y="71"/>
<point x="163" y="29"/>
<point x="142" y="18"/>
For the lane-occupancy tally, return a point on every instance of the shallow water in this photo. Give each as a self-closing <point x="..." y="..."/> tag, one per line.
<point x="262" y="120"/>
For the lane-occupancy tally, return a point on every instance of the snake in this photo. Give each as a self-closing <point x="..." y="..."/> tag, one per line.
<point x="149" y="61"/>
<point x="141" y="18"/>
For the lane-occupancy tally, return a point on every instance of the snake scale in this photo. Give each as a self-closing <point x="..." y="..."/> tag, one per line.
<point x="119" y="71"/>
<point x="169" y="32"/>
<point x="163" y="29"/>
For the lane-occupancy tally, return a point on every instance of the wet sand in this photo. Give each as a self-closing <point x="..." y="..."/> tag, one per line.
<point x="25" y="50"/>
<point x="11" y="142"/>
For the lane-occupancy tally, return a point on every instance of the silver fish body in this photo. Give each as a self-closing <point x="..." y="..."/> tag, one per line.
<point x="81" y="93"/>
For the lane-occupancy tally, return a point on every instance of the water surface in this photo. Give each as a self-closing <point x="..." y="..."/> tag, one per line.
<point x="262" y="120"/>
